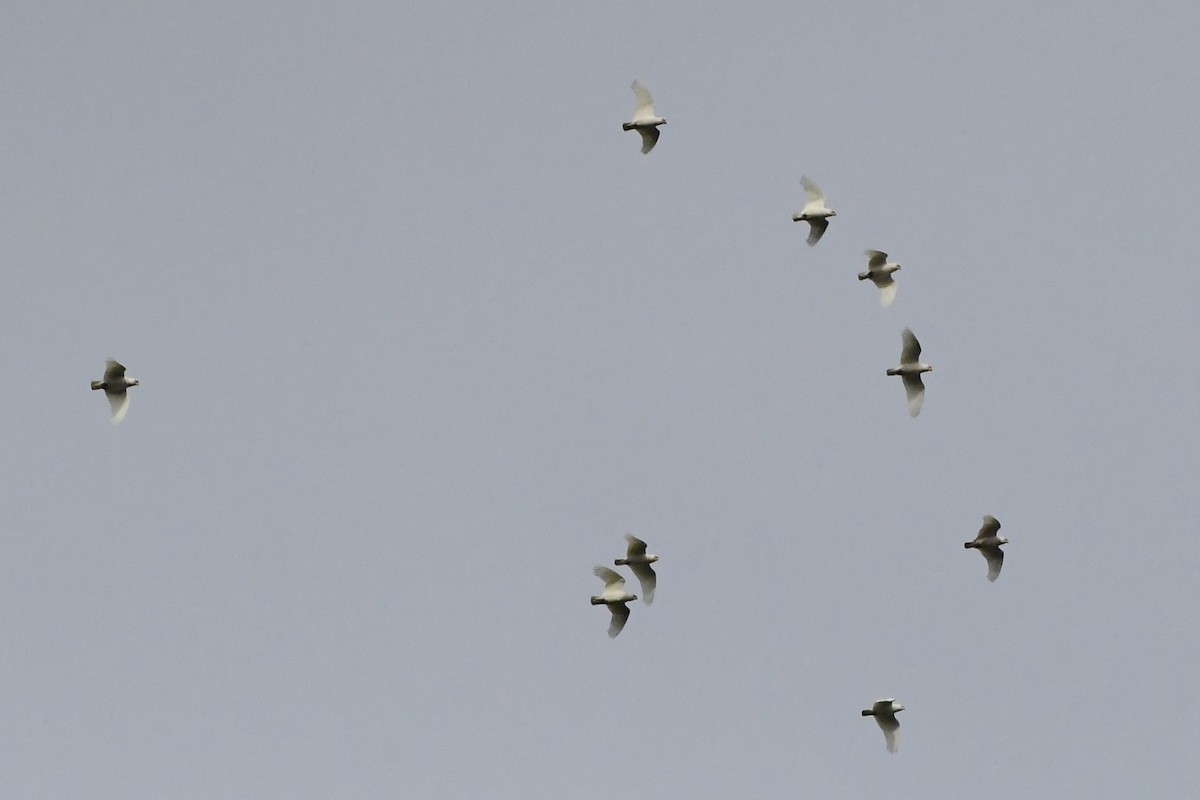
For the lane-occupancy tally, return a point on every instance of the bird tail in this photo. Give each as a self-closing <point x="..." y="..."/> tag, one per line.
<point x="862" y="276"/>
<point x="620" y="562"/>
<point x="597" y="601"/>
<point x="893" y="372"/>
<point x="968" y="545"/>
<point x="867" y="712"/>
<point x="96" y="385"/>
<point x="627" y="126"/>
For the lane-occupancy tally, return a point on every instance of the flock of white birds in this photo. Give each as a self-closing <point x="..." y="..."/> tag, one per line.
<point x="880" y="271"/>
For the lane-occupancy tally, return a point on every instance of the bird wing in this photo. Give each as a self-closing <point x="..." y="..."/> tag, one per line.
<point x="636" y="546"/>
<point x="887" y="290"/>
<point x="910" y="353"/>
<point x="991" y="526"/>
<point x="891" y="730"/>
<point x="995" y="560"/>
<point x="816" y="198"/>
<point x="816" y="230"/>
<point x="914" y="387"/>
<point x="113" y="371"/>
<point x="645" y="103"/>
<point x="119" y="402"/>
<point x="649" y="138"/>
<point x="611" y="579"/>
<point x="620" y="614"/>
<point x="877" y="258"/>
<point x="648" y="579"/>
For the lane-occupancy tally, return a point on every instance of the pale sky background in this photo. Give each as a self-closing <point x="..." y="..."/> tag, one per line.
<point x="421" y="334"/>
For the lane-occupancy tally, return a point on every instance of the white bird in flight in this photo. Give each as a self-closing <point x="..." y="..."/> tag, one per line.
<point x="988" y="543"/>
<point x="645" y="120"/>
<point x="615" y="597"/>
<point x="884" y="711"/>
<point x="114" y="385"/>
<point x="815" y="213"/>
<point x="637" y="559"/>
<point x="910" y="370"/>
<point x="879" y="272"/>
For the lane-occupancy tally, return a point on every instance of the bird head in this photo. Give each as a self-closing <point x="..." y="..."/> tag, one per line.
<point x="651" y="558"/>
<point x="833" y="213"/>
<point x="897" y="708"/>
<point x="133" y="382"/>
<point x="1003" y="540"/>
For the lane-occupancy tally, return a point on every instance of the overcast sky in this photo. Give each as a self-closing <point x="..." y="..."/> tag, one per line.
<point x="421" y="334"/>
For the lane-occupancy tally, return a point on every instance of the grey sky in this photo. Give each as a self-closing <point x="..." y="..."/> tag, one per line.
<point x="421" y="334"/>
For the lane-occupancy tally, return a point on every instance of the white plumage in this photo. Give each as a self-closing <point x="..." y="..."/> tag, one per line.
<point x="988" y="543"/>
<point x="910" y="370"/>
<point x="815" y="213"/>
<point x="638" y="560"/>
<point x="615" y="597"/>
<point x="884" y="711"/>
<point x="645" y="119"/>
<point x="879" y="272"/>
<point x="115" y="384"/>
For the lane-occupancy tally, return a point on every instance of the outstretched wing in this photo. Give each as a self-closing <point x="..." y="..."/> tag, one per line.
<point x="609" y="577"/>
<point x="645" y="103"/>
<point x="910" y="353"/>
<point x="887" y="290"/>
<point x="636" y="546"/>
<point x="991" y="526"/>
<point x="914" y="388"/>
<point x="816" y="230"/>
<point x="816" y="198"/>
<point x="649" y="139"/>
<point x="877" y="258"/>
<point x="891" y="731"/>
<point x="995" y="560"/>
<point x="119" y="402"/>
<point x="648" y="579"/>
<point x="620" y="615"/>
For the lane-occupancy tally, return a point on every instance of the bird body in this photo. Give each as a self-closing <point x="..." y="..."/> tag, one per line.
<point x="910" y="370"/>
<point x="645" y="119"/>
<point x="988" y="543"/>
<point x="115" y="383"/>
<point x="815" y="213"/>
<point x="615" y="597"/>
<point x="637" y="559"/>
<point x="879" y="272"/>
<point x="884" y="711"/>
